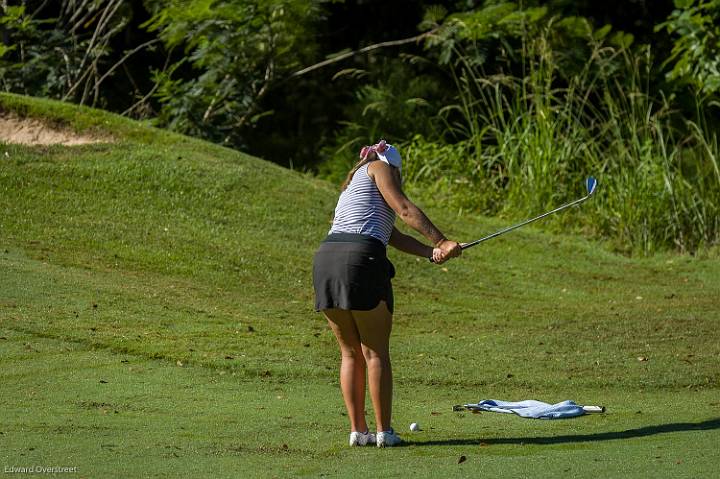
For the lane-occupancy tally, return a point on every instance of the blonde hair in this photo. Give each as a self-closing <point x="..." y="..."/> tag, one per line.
<point x="371" y="156"/>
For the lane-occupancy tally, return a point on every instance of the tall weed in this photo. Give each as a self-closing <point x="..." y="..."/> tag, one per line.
<point x="523" y="144"/>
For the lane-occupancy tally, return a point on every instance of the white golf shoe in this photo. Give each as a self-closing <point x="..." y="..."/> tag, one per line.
<point x="387" y="439"/>
<point x="361" y="438"/>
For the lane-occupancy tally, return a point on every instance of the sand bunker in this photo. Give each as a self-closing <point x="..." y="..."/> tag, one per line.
<point x="29" y="131"/>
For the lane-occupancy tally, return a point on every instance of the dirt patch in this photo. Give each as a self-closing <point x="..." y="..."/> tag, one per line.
<point x="29" y="131"/>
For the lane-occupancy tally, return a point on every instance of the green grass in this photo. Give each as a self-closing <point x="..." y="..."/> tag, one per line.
<point x="156" y="320"/>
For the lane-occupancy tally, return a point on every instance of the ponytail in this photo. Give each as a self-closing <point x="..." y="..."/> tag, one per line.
<point x="366" y="158"/>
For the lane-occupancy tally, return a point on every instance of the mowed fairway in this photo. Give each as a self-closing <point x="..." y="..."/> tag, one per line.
<point x="156" y="320"/>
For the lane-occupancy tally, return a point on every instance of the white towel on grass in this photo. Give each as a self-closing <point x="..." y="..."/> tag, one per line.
<point x="530" y="409"/>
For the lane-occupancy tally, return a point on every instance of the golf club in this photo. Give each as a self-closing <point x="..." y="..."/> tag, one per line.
<point x="590" y="184"/>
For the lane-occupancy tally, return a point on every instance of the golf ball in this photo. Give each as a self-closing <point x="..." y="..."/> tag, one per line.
<point x="414" y="427"/>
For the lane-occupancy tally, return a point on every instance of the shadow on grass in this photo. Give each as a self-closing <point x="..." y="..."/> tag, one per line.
<point x="575" y="438"/>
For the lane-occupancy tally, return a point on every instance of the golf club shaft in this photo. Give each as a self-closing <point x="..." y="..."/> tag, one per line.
<point x="591" y="184"/>
<point x="510" y="228"/>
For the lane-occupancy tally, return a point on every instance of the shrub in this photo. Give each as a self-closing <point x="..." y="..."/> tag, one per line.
<point x="522" y="144"/>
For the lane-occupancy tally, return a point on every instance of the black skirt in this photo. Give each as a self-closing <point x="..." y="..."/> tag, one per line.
<point x="352" y="271"/>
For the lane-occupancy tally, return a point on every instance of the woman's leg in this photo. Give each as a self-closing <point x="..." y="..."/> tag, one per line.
<point x="374" y="328"/>
<point x="352" y="367"/>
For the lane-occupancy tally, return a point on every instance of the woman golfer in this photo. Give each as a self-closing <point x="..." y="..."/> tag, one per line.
<point x="351" y="275"/>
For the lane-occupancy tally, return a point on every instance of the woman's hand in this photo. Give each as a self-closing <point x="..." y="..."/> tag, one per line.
<point x="438" y="257"/>
<point x="445" y="250"/>
<point x="450" y="249"/>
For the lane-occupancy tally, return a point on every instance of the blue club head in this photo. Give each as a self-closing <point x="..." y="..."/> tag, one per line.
<point x="591" y="183"/>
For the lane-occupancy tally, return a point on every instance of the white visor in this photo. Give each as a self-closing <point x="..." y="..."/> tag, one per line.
<point x="391" y="156"/>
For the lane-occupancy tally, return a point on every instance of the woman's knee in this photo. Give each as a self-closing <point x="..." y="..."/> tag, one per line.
<point x="352" y="353"/>
<point x="376" y="357"/>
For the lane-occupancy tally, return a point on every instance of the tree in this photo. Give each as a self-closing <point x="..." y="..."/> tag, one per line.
<point x="63" y="49"/>
<point x="232" y="52"/>
<point x="695" y="57"/>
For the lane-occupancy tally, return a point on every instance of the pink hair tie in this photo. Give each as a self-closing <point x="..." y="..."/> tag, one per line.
<point x="365" y="152"/>
<point x="378" y="147"/>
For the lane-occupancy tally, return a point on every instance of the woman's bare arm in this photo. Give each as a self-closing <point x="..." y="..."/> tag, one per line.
<point x="388" y="182"/>
<point x="408" y="244"/>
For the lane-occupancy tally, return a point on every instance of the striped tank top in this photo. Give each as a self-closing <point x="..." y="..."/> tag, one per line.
<point x="362" y="209"/>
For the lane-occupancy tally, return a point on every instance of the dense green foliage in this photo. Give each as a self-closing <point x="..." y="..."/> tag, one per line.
<point x="236" y="51"/>
<point x="156" y="320"/>
<point x="522" y="144"/>
<point x="68" y="56"/>
<point x="696" y="52"/>
<point x="500" y="107"/>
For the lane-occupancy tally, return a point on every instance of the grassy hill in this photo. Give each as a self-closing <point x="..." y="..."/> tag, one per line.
<point x="156" y="320"/>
